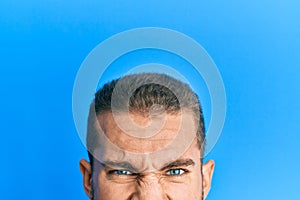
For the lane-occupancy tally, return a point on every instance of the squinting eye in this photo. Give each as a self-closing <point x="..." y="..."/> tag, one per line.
<point x="121" y="172"/>
<point x="175" y="172"/>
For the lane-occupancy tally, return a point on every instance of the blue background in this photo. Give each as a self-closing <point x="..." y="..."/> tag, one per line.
<point x="255" y="45"/>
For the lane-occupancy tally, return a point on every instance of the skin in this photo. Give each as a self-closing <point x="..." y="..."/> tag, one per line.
<point x="147" y="167"/>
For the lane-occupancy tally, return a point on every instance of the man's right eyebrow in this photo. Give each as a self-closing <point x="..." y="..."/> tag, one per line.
<point x="117" y="164"/>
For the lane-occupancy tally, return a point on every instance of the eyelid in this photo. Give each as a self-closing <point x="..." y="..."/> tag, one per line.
<point x="113" y="171"/>
<point x="184" y="171"/>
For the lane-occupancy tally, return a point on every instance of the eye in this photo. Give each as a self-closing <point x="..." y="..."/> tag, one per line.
<point x="175" y="172"/>
<point x="120" y="172"/>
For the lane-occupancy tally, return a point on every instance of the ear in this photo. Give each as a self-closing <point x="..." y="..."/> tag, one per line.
<point x="86" y="172"/>
<point x="207" y="171"/>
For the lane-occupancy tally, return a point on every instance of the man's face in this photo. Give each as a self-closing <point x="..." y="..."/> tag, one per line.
<point x="147" y="167"/>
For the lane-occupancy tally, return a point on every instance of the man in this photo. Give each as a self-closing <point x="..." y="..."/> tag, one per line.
<point x="146" y="141"/>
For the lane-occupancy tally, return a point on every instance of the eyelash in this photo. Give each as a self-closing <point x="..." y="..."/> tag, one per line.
<point x="115" y="172"/>
<point x="180" y="169"/>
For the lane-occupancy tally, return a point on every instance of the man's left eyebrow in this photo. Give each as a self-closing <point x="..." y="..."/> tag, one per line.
<point x="178" y="163"/>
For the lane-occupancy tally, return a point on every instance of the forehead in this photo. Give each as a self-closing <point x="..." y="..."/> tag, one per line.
<point x="144" y="134"/>
<point x="147" y="141"/>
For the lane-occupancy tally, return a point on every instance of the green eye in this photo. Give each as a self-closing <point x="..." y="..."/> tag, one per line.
<point x="175" y="172"/>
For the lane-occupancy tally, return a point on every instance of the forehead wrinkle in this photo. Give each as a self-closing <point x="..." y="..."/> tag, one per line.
<point x="157" y="142"/>
<point x="117" y="135"/>
<point x="113" y="131"/>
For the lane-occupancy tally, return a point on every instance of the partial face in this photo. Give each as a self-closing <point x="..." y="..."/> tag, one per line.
<point x="149" y="166"/>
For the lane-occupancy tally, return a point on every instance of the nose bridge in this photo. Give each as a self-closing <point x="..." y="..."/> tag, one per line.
<point x="149" y="188"/>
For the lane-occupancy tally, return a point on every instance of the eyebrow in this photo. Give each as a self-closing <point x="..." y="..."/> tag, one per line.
<point x="178" y="163"/>
<point x="128" y="166"/>
<point x="124" y="165"/>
